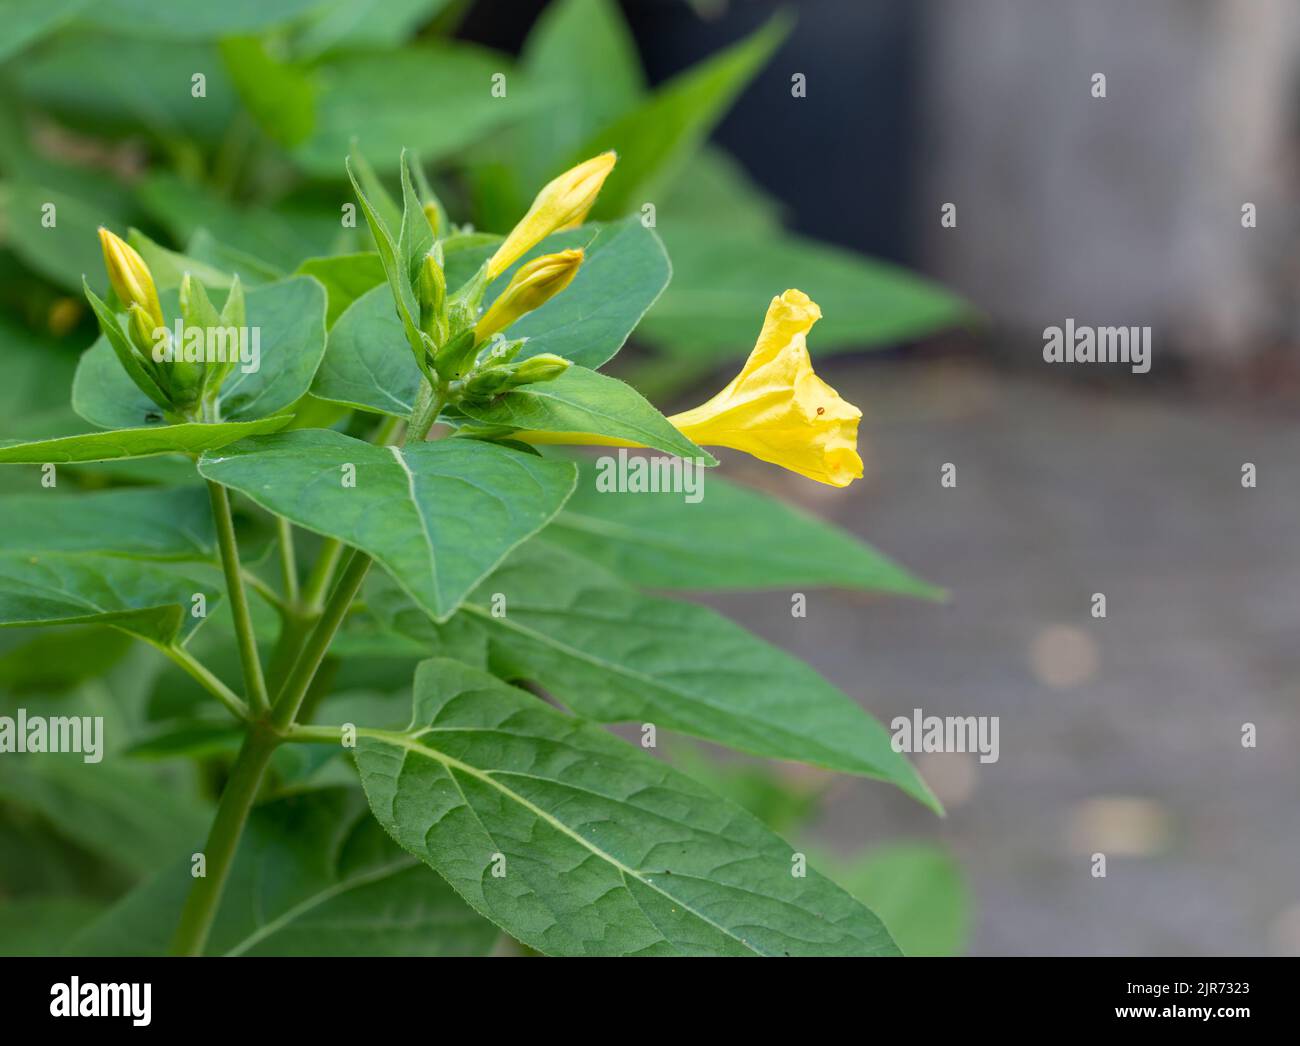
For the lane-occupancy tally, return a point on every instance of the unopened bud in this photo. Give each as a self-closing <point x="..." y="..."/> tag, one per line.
<point x="431" y="289"/>
<point x="545" y="366"/>
<point x="129" y="276"/>
<point x="563" y="203"/>
<point x="432" y="216"/>
<point x="533" y="286"/>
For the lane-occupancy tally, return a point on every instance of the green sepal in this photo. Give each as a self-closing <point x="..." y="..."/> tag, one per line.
<point x="125" y="352"/>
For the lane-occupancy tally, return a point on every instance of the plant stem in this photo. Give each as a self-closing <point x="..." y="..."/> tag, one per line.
<point x="219" y="851"/>
<point x="322" y="573"/>
<point x="289" y="699"/>
<point x="288" y="561"/>
<point x="208" y="680"/>
<point x="254" y="684"/>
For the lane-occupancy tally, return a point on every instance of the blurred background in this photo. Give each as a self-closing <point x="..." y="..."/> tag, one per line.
<point x="815" y="145"/>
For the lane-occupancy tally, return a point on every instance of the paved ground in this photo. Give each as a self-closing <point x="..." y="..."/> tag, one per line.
<point x="1120" y="735"/>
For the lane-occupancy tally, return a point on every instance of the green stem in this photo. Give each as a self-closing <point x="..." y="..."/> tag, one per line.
<point x="322" y="573"/>
<point x="288" y="561"/>
<point x="223" y="839"/>
<point x="289" y="699"/>
<point x="254" y="684"/>
<point x="208" y="680"/>
<point x="428" y="406"/>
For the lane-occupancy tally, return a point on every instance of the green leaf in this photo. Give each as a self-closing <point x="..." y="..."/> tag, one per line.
<point x="55" y="660"/>
<point x="281" y="97"/>
<point x="187" y="438"/>
<point x="415" y="237"/>
<point x="41" y="926"/>
<point x="714" y="191"/>
<point x="624" y="272"/>
<point x="34" y="393"/>
<point x="289" y="320"/>
<point x="149" y="600"/>
<point x="345" y="277"/>
<point x="438" y="516"/>
<point x="144" y="523"/>
<point x="614" y="655"/>
<point x="168" y="267"/>
<point x="582" y="400"/>
<point x="81" y="77"/>
<point x="920" y="893"/>
<point x="121" y="812"/>
<point x="578" y="844"/>
<point x="282" y="236"/>
<point x="195" y="21"/>
<point x="399" y="282"/>
<point x="582" y="51"/>
<point x="314" y="875"/>
<point x="26" y="21"/>
<point x="433" y="98"/>
<point x="656" y="138"/>
<point x="724" y="280"/>
<point x="351" y="24"/>
<point x="368" y="365"/>
<point x="66" y="250"/>
<point x="252" y="271"/>
<point x="662" y="541"/>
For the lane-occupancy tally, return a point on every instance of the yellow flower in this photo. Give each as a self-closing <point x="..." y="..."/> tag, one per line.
<point x="532" y="286"/>
<point x="563" y="203"/>
<point x="776" y="408"/>
<point x="129" y="276"/>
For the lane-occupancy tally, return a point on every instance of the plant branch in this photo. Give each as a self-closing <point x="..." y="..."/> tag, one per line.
<point x="289" y="699"/>
<point x="223" y="839"/>
<point x="288" y="561"/>
<point x="205" y="677"/>
<point x="254" y="683"/>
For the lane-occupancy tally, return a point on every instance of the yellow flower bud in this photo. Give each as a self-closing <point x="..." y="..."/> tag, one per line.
<point x="562" y="204"/>
<point x="533" y="286"/>
<point x="130" y="276"/>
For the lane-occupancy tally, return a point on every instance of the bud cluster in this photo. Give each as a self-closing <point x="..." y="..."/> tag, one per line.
<point x="182" y="387"/>
<point x="463" y="349"/>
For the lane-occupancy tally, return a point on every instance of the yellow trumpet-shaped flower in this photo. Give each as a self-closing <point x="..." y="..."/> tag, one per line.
<point x="776" y="408"/>
<point x="532" y="286"/>
<point x="563" y="203"/>
<point x="129" y="276"/>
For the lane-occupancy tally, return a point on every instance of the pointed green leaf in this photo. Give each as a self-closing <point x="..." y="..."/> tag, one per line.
<point x="314" y="875"/>
<point x="665" y="540"/>
<point x="432" y="98"/>
<point x="143" y="522"/>
<point x="438" y="516"/>
<point x="582" y="400"/>
<point x="615" y="655"/>
<point x="187" y="438"/>
<point x="578" y="844"/>
<point x="149" y="600"/>
<point x="654" y="139"/>
<point x="345" y="277"/>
